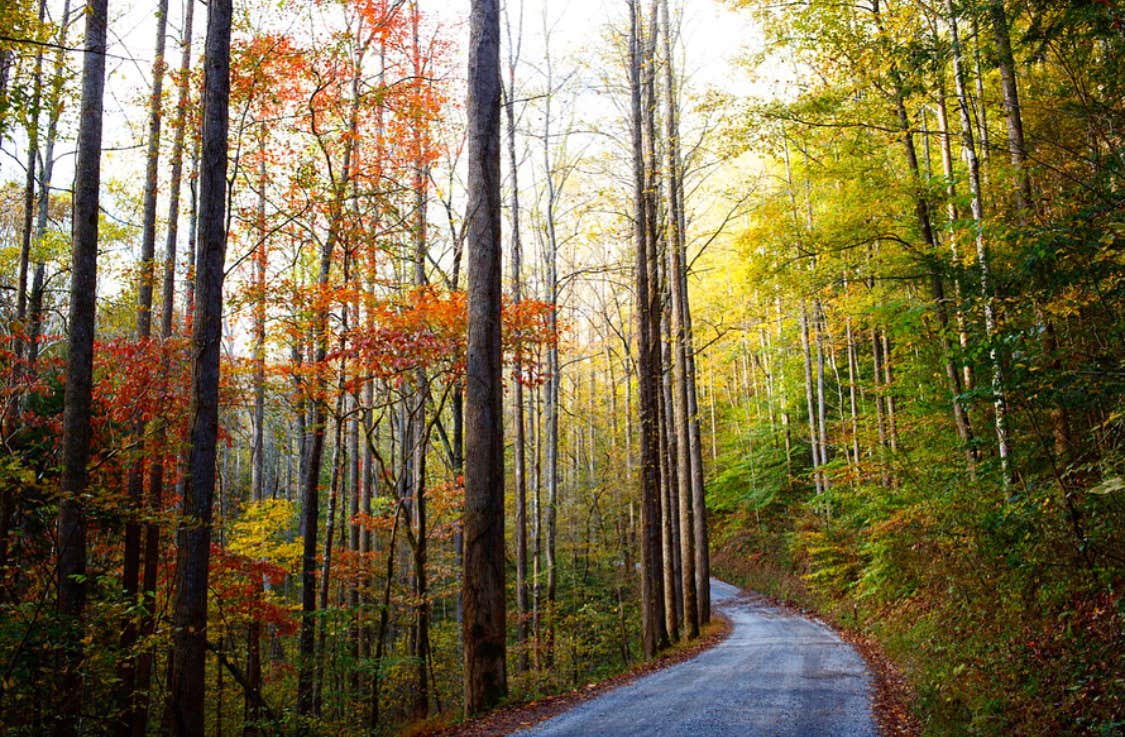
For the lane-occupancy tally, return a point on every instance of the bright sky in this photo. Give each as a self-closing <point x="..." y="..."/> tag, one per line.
<point x="712" y="38"/>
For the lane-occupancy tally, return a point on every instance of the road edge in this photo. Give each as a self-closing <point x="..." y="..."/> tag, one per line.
<point x="891" y="693"/>
<point x="523" y="715"/>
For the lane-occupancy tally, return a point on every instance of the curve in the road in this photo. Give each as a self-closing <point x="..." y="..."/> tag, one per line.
<point x="776" y="675"/>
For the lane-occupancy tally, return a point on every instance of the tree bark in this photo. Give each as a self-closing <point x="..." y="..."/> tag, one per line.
<point x="551" y="403"/>
<point x="1017" y="148"/>
<point x="186" y="682"/>
<point x="79" y="374"/>
<point x="654" y="634"/>
<point x="483" y="628"/>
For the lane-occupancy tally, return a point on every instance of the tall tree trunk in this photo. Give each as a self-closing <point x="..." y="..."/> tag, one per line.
<point x="79" y="374"/>
<point x="143" y="675"/>
<point x="483" y="629"/>
<point x="1017" y="148"/>
<point x="420" y="634"/>
<point x="28" y="202"/>
<point x="999" y="398"/>
<point x="314" y="456"/>
<point x="655" y="314"/>
<point x="310" y="497"/>
<point x="261" y="259"/>
<point x="131" y="568"/>
<point x="519" y="440"/>
<point x="551" y="405"/>
<point x="25" y="241"/>
<point x="955" y="251"/>
<point x="186" y="682"/>
<point x="677" y="279"/>
<point x="669" y="486"/>
<point x="698" y="496"/>
<point x="654" y="632"/>
<point x="1025" y="207"/>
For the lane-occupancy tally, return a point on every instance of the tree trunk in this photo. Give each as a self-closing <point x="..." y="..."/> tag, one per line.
<point x="143" y="676"/>
<point x="810" y="401"/>
<point x="654" y="633"/>
<point x="261" y="259"/>
<point x="519" y="440"/>
<point x="420" y="635"/>
<point x="999" y="398"/>
<point x="131" y="569"/>
<point x="79" y="374"/>
<point x="20" y="326"/>
<point x="821" y="400"/>
<point x="1017" y="149"/>
<point x="551" y="405"/>
<point x="955" y="251"/>
<point x="677" y="282"/>
<point x="186" y="682"/>
<point x="483" y="629"/>
<point x="1025" y="206"/>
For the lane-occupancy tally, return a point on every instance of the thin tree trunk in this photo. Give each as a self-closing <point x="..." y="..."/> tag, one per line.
<point x="20" y="326"/>
<point x="143" y="676"/>
<point x="384" y="620"/>
<point x="519" y="440"/>
<point x="880" y="415"/>
<point x="551" y="405"/>
<point x="420" y="635"/>
<point x="821" y="399"/>
<point x="810" y="401"/>
<point x="999" y="398"/>
<point x="853" y="403"/>
<point x="955" y="251"/>
<point x="669" y="487"/>
<point x="131" y="568"/>
<point x="261" y="258"/>
<point x="888" y="387"/>
<point x="306" y="686"/>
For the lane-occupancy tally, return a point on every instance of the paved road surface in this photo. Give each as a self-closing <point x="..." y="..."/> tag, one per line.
<point x="776" y="675"/>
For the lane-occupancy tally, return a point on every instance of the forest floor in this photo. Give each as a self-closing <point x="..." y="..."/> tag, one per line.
<point x="770" y="670"/>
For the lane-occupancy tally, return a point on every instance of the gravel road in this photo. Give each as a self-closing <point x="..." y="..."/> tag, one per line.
<point x="776" y="675"/>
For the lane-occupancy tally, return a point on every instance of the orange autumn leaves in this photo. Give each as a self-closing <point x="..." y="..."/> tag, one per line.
<point x="425" y="329"/>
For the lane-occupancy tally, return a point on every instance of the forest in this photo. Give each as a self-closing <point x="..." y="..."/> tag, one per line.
<point x="366" y="365"/>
